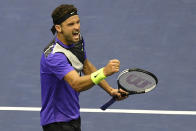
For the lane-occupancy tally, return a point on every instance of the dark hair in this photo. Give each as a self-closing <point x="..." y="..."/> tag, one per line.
<point x="62" y="10"/>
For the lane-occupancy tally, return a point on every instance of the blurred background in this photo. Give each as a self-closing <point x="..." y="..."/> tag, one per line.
<point x="155" y="35"/>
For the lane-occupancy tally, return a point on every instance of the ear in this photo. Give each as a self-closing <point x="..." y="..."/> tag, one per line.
<point x="58" y="28"/>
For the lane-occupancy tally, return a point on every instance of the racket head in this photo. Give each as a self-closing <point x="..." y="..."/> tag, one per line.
<point x="136" y="81"/>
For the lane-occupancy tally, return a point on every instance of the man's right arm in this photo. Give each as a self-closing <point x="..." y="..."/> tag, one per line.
<point x="78" y="83"/>
<point x="82" y="83"/>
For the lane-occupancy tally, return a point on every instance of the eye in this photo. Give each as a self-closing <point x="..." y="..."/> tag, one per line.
<point x="70" y="24"/>
<point x="78" y="22"/>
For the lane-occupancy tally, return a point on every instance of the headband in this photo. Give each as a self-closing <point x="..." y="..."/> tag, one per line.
<point x="60" y="20"/>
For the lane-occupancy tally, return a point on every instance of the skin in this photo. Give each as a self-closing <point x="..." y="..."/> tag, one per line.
<point x="68" y="33"/>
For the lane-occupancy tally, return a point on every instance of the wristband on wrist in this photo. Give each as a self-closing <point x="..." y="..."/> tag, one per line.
<point x="97" y="76"/>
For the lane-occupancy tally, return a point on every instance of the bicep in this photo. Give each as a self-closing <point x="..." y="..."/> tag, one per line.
<point x="77" y="82"/>
<point x="71" y="77"/>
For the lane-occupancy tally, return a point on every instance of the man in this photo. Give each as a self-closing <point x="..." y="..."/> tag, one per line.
<point x="62" y="63"/>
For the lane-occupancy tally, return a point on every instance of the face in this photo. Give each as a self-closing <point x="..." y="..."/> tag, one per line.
<point x="70" y="30"/>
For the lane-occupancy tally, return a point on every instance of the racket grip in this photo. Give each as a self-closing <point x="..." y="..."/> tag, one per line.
<point x="109" y="103"/>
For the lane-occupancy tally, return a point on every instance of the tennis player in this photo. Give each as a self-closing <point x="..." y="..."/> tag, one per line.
<point x="62" y="64"/>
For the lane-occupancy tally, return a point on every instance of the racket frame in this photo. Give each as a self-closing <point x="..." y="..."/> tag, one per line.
<point x="138" y="70"/>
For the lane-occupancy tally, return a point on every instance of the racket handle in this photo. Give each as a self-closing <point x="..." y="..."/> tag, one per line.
<point x="109" y="103"/>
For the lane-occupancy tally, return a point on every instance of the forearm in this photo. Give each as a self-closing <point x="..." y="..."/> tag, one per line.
<point x="104" y="85"/>
<point x="90" y="68"/>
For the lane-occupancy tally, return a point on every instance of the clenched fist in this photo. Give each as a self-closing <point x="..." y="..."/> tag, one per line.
<point x="112" y="67"/>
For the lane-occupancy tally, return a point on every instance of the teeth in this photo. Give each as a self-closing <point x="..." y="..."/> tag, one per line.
<point x="76" y="32"/>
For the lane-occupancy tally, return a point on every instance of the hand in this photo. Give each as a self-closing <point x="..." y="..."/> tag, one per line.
<point x="112" y="67"/>
<point x="119" y="94"/>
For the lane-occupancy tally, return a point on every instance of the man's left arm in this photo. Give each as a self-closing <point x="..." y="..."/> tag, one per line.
<point x="90" y="68"/>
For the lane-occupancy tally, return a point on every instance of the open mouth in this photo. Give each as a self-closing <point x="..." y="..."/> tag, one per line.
<point x="75" y="33"/>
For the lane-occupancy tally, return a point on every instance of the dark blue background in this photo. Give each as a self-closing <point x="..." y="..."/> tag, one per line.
<point x="156" y="35"/>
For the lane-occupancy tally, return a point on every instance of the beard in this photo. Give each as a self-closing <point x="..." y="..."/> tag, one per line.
<point x="71" y="38"/>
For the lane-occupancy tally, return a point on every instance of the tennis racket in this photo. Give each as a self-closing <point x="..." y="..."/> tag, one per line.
<point x="134" y="81"/>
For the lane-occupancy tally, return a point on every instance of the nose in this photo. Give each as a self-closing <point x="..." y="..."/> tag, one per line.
<point x="77" y="26"/>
